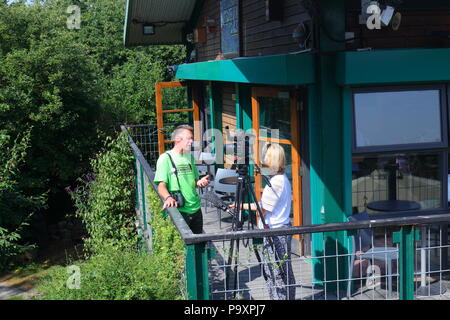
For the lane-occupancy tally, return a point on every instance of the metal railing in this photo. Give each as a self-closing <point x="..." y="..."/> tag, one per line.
<point x="411" y="260"/>
<point x="404" y="266"/>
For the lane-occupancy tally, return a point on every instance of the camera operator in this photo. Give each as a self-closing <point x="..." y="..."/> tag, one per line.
<point x="177" y="178"/>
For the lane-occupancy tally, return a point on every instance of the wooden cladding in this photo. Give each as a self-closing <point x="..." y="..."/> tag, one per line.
<point x="418" y="29"/>
<point x="258" y="36"/>
<point x="209" y="50"/>
<point x="228" y="119"/>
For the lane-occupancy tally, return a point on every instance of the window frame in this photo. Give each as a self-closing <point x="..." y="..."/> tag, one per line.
<point x="442" y="88"/>
<point x="441" y="148"/>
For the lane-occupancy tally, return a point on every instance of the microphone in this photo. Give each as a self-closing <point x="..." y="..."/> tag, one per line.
<point x="217" y="202"/>
<point x="266" y="179"/>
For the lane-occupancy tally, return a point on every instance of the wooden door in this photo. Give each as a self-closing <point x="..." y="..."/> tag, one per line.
<point x="275" y="108"/>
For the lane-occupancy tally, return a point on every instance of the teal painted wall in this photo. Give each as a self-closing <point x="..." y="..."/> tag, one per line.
<point x="327" y="145"/>
<point x="393" y="66"/>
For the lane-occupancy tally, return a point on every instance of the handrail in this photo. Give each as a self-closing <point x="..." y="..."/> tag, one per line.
<point x="326" y="227"/>
<point x="437" y="216"/>
<point x="174" y="214"/>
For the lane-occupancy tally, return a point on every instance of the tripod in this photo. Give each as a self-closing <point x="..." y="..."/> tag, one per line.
<point x="246" y="194"/>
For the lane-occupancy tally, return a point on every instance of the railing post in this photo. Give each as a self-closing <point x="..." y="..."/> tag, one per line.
<point x="197" y="271"/>
<point x="405" y="238"/>
<point x="142" y="186"/>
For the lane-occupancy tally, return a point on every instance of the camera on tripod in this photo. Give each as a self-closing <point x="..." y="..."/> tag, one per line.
<point x="241" y="148"/>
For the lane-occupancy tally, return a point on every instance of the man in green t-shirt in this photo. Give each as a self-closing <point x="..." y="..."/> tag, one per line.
<point x="184" y="177"/>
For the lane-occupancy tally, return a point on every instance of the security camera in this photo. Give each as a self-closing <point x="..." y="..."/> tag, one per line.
<point x="172" y="70"/>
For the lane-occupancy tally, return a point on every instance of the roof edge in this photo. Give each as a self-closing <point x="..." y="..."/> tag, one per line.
<point x="127" y="23"/>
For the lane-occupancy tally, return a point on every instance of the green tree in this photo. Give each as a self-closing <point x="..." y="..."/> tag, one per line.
<point x="15" y="207"/>
<point x="53" y="87"/>
<point x="69" y="89"/>
<point x="105" y="198"/>
<point x="131" y="88"/>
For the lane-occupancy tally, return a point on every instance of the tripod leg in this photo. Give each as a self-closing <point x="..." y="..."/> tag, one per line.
<point x="278" y="260"/>
<point x="237" y="203"/>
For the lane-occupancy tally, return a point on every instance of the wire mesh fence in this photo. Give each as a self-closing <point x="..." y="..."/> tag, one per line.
<point x="145" y="136"/>
<point x="431" y="262"/>
<point x="382" y="259"/>
<point x="338" y="270"/>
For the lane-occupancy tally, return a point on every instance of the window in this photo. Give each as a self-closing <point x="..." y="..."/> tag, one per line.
<point x="407" y="176"/>
<point x="275" y="114"/>
<point x="398" y="120"/>
<point x="400" y="146"/>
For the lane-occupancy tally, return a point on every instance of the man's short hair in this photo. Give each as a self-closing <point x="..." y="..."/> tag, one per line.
<point x="180" y="128"/>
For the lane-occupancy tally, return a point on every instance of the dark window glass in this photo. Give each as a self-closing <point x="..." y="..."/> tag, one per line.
<point x="275" y="114"/>
<point x="397" y="118"/>
<point x="414" y="177"/>
<point x="448" y="181"/>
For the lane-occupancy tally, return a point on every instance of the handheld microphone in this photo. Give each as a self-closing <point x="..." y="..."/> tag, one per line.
<point x="217" y="202"/>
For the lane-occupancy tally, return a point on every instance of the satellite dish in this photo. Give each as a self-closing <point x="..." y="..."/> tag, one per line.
<point x="396" y="20"/>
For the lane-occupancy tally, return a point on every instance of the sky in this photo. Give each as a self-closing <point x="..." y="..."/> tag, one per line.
<point x="28" y="1"/>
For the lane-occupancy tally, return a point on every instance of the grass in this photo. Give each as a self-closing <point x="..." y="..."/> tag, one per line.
<point x="112" y="275"/>
<point x="27" y="276"/>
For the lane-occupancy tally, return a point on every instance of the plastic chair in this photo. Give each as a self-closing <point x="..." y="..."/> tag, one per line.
<point x="224" y="191"/>
<point x="362" y="241"/>
<point x="202" y="170"/>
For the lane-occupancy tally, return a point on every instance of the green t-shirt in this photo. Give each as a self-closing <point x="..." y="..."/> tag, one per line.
<point x="187" y="174"/>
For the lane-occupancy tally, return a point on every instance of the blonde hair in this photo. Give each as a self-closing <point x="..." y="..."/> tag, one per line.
<point x="275" y="157"/>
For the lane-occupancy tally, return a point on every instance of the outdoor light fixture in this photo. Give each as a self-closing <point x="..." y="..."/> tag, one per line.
<point x="386" y="15"/>
<point x="386" y="10"/>
<point x="190" y="37"/>
<point x="148" y="29"/>
<point x="396" y="20"/>
<point x="389" y="18"/>
<point x="301" y="34"/>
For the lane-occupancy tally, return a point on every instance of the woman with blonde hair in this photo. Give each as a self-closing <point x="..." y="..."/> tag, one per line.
<point x="275" y="205"/>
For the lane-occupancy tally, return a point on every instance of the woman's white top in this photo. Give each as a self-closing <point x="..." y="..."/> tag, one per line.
<point x="277" y="200"/>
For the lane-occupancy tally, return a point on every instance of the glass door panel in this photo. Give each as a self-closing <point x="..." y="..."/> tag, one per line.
<point x="275" y="120"/>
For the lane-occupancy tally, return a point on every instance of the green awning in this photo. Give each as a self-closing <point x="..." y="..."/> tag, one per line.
<point x="283" y="69"/>
<point x="169" y="17"/>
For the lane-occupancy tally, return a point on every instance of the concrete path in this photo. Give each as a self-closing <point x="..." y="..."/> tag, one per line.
<point x="8" y="292"/>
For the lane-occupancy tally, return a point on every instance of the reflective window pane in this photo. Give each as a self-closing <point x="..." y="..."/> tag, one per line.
<point x="275" y="114"/>
<point x="414" y="177"/>
<point x="397" y="118"/>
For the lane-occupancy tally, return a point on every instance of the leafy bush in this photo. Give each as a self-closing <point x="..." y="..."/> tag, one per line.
<point x="15" y="206"/>
<point x="105" y="199"/>
<point x="168" y="246"/>
<point x="119" y="272"/>
<point x="116" y="270"/>
<point x="111" y="275"/>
